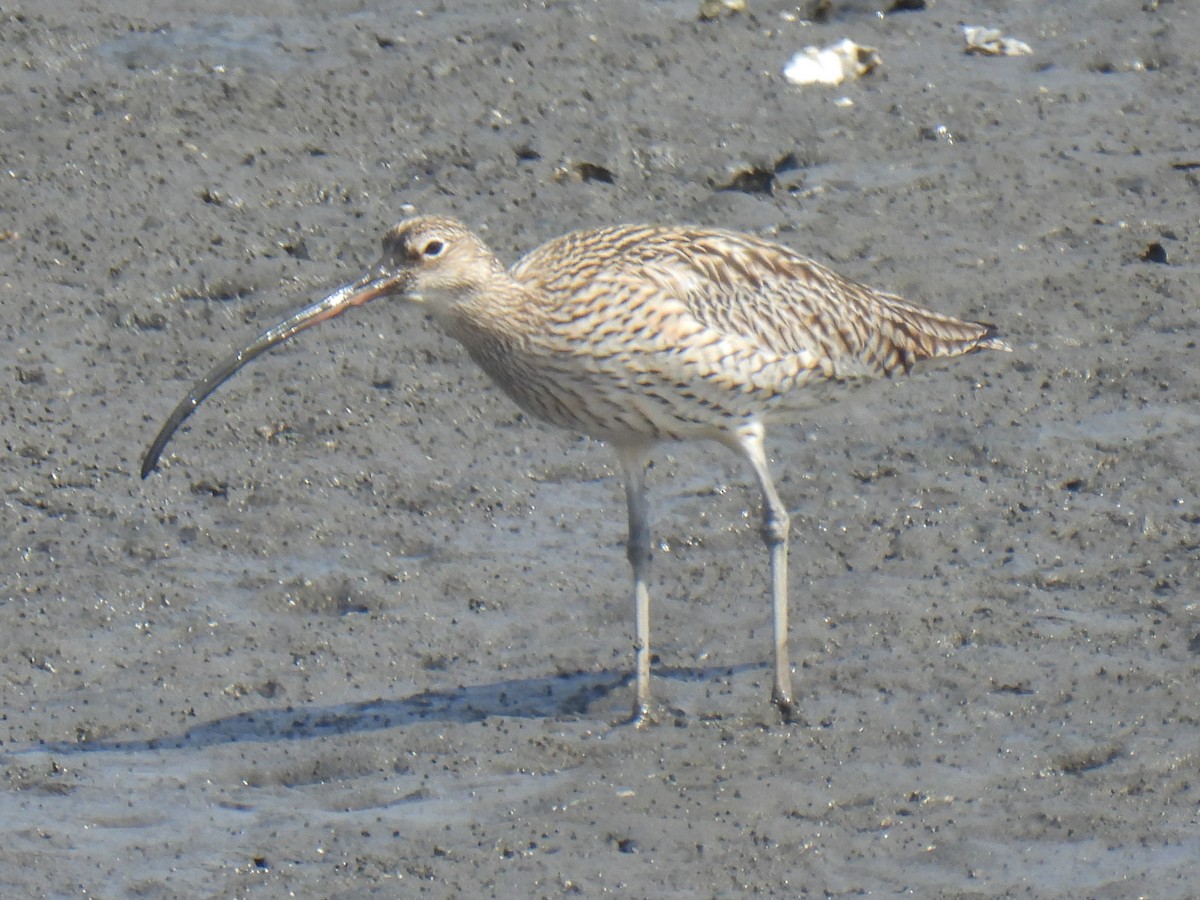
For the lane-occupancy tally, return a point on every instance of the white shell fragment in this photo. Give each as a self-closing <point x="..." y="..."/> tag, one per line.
<point x="992" y="42"/>
<point x="833" y="64"/>
<point x="715" y="9"/>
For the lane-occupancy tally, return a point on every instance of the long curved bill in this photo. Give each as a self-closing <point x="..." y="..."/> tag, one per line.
<point x="376" y="284"/>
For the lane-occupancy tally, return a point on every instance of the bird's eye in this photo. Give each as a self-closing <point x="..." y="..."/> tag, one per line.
<point x="432" y="249"/>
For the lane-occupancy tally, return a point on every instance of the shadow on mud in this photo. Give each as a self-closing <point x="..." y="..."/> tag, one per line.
<point x="567" y="695"/>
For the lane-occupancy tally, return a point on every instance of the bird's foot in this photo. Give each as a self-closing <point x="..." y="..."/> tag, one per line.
<point x="649" y="715"/>
<point x="786" y="705"/>
<point x="643" y="716"/>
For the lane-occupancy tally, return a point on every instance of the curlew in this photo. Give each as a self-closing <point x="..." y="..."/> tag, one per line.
<point x="640" y="334"/>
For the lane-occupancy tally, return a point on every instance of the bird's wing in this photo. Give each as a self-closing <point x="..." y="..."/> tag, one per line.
<point x="786" y="304"/>
<point x="712" y="295"/>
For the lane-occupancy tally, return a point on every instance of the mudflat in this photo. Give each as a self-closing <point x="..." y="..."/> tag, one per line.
<point x="368" y="630"/>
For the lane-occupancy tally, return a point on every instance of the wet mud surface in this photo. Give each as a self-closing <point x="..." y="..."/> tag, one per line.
<point x="368" y="629"/>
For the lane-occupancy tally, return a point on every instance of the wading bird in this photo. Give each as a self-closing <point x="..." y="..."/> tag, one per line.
<point x="640" y="334"/>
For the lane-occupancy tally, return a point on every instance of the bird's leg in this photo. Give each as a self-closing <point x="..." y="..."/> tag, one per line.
<point x="775" y="535"/>
<point x="633" y="461"/>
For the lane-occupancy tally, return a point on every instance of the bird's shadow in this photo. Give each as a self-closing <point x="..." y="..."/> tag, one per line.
<point x="568" y="695"/>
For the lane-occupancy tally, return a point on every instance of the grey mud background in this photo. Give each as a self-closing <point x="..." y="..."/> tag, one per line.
<point x="367" y="630"/>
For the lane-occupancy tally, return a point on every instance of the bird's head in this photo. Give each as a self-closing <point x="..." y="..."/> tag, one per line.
<point x="432" y="260"/>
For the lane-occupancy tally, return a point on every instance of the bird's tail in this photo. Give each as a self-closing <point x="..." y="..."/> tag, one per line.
<point x="924" y="334"/>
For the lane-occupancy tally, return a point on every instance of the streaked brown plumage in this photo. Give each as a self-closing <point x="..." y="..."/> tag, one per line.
<point x="640" y="334"/>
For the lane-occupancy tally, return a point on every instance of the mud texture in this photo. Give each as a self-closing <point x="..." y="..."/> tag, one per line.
<point x="367" y="631"/>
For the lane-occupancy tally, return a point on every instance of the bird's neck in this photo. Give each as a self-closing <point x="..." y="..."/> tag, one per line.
<point x="501" y="309"/>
